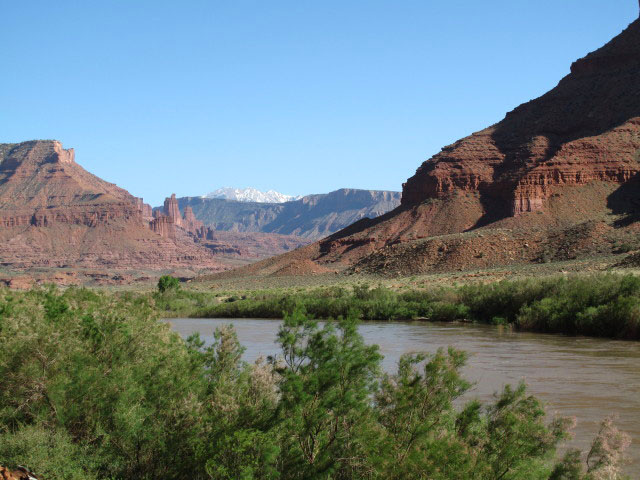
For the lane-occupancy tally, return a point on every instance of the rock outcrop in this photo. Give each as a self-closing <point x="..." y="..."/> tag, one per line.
<point x="40" y="182"/>
<point x="556" y="179"/>
<point x="585" y="130"/>
<point x="53" y="213"/>
<point x="241" y="247"/>
<point x="145" y="209"/>
<point x="166" y="220"/>
<point x="191" y="224"/>
<point x="163" y="226"/>
<point x="171" y="209"/>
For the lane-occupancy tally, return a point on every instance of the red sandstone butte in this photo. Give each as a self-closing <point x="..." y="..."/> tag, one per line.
<point x="53" y="213"/>
<point x="171" y="209"/>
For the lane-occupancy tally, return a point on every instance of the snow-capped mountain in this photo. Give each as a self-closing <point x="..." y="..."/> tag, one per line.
<point x="250" y="195"/>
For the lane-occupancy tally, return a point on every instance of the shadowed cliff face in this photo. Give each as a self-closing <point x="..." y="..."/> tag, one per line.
<point x="586" y="129"/>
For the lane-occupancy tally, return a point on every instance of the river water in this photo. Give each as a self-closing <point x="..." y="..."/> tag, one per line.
<point x="586" y="378"/>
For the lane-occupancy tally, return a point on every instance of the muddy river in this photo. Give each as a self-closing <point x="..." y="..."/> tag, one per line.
<point x="582" y="377"/>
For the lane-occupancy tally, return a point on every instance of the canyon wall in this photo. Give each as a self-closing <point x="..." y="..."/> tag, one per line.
<point x="585" y="130"/>
<point x="556" y="179"/>
<point x="163" y="226"/>
<point x="164" y="221"/>
<point x="171" y="209"/>
<point x="53" y="213"/>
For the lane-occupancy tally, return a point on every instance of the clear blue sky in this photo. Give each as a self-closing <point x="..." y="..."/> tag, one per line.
<point x="299" y="96"/>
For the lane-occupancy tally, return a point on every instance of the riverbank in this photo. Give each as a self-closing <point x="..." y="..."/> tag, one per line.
<point x="93" y="386"/>
<point x="598" y="305"/>
<point x="603" y="373"/>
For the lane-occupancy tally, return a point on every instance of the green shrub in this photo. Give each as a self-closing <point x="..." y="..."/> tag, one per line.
<point x="51" y="453"/>
<point x="624" y="248"/>
<point x="93" y="386"/>
<point x="167" y="283"/>
<point x="599" y="305"/>
<point x="604" y="306"/>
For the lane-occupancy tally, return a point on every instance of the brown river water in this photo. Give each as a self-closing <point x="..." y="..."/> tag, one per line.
<point x="586" y="378"/>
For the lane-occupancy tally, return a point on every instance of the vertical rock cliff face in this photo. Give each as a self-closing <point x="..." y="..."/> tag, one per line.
<point x="163" y="226"/>
<point x="171" y="209"/>
<point x="584" y="130"/>
<point x="190" y="223"/>
<point x="40" y="181"/>
<point x="145" y="209"/>
<point x="54" y="213"/>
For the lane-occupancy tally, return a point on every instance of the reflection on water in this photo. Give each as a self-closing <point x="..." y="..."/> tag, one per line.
<point x="582" y="377"/>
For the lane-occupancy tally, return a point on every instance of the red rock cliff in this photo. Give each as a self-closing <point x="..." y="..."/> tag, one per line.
<point x="186" y="222"/>
<point x="53" y="213"/>
<point x="189" y="221"/>
<point x="171" y="209"/>
<point x="145" y="209"/>
<point x="586" y="129"/>
<point x="572" y="155"/>
<point x="163" y="226"/>
<point x="40" y="184"/>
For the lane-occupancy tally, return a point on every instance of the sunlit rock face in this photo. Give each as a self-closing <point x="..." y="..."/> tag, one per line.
<point x="171" y="209"/>
<point x="53" y="213"/>
<point x="585" y="130"/>
<point x="556" y="178"/>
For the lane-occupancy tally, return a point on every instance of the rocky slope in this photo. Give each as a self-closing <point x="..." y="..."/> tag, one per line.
<point x="250" y="246"/>
<point x="312" y="217"/>
<point x="53" y="213"/>
<point x="556" y="179"/>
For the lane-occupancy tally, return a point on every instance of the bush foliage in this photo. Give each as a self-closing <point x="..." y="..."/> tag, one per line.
<point x="167" y="283"/>
<point x="94" y="387"/>
<point x="604" y="305"/>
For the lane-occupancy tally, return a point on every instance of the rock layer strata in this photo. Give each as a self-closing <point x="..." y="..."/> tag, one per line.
<point x="584" y="130"/>
<point x="556" y="179"/>
<point x="53" y="213"/>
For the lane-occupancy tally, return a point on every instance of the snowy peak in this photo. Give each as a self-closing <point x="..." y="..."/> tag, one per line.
<point x="250" y="195"/>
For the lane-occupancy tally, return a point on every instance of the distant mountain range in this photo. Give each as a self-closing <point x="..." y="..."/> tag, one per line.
<point x="311" y="217"/>
<point x="250" y="194"/>
<point x="60" y="223"/>
<point x="557" y="179"/>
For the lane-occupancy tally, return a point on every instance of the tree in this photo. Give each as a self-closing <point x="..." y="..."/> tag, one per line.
<point x="328" y="375"/>
<point x="167" y="283"/>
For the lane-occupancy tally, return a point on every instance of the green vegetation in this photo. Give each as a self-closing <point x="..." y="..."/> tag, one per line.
<point x="168" y="283"/>
<point x="604" y="305"/>
<point x="94" y="387"/>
